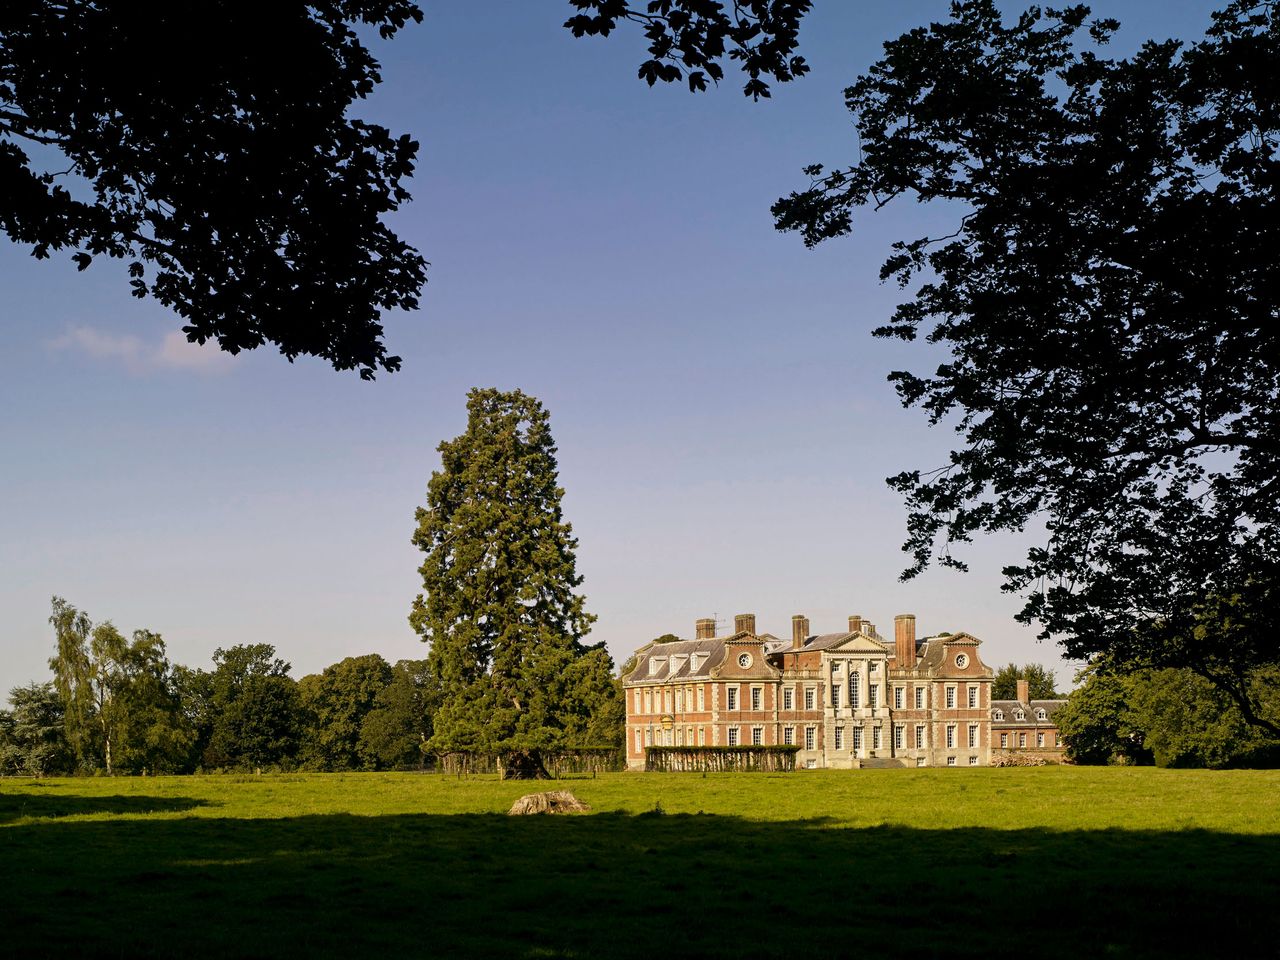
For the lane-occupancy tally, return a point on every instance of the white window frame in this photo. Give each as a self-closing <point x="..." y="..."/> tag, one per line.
<point x="973" y="735"/>
<point x="898" y="694"/>
<point x="757" y="736"/>
<point x="835" y="696"/>
<point x="920" y="739"/>
<point x="811" y="738"/>
<point x="951" y="697"/>
<point x="973" y="696"/>
<point x="899" y="736"/>
<point x="757" y="699"/>
<point x="876" y="738"/>
<point x="857" y="740"/>
<point x="788" y="698"/>
<point x="1004" y="741"/>
<point x="919" y="698"/>
<point x="873" y="696"/>
<point x="810" y="698"/>
<point x="789" y="735"/>
<point x="951" y="761"/>
<point x="731" y="698"/>
<point x="951" y="736"/>
<point x="839" y="738"/>
<point x="702" y="698"/>
<point x="733" y="737"/>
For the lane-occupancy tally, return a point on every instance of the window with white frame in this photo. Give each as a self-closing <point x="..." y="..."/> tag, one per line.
<point x="919" y="761"/>
<point x="875" y="738"/>
<point x="757" y="736"/>
<point x="973" y="734"/>
<point x="951" y="761"/>
<point x="733" y="736"/>
<point x="857" y="739"/>
<point x="855" y="688"/>
<point x="648" y="737"/>
<point x="835" y="696"/>
<point x="700" y="736"/>
<point x="788" y="699"/>
<point x="873" y="666"/>
<point x="1022" y="739"/>
<point x="951" y="735"/>
<point x="998" y="715"/>
<point x="1019" y="715"/>
<point x="679" y="701"/>
<point x="839" y="738"/>
<point x="951" y="698"/>
<point x="873" y="696"/>
<point x="639" y="741"/>
<point x="810" y="697"/>
<point x="789" y="735"/>
<point x="919" y="698"/>
<point x="1004" y="740"/>
<point x="810" y="737"/>
<point x="973" y="696"/>
<point x="757" y="696"/>
<point x="680" y="736"/>
<point x="899" y="736"/>
<point x="731" y="698"/>
<point x="1039" y="739"/>
<point x="920" y="736"/>
<point x="1040" y="714"/>
<point x="973" y="761"/>
<point x="897" y="698"/>
<point x="702" y="698"/>
<point x="648" y="696"/>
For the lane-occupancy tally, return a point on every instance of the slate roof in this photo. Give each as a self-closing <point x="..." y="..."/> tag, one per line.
<point x="1011" y="706"/>
<point x="710" y="651"/>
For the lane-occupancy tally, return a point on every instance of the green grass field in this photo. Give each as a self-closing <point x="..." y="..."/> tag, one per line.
<point x="1057" y="861"/>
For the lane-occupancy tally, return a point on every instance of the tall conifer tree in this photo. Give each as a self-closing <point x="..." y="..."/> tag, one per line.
<point x="500" y="607"/>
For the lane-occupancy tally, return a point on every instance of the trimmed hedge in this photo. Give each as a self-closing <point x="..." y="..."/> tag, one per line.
<point x="772" y="759"/>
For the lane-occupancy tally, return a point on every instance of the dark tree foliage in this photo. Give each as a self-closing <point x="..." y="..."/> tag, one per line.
<point x="1040" y="682"/>
<point x="33" y="738"/>
<point x="335" y="704"/>
<point x="1109" y="299"/>
<point x="395" y="732"/>
<point x="252" y="712"/>
<point x="209" y="146"/>
<point x="688" y="39"/>
<point x="500" y="606"/>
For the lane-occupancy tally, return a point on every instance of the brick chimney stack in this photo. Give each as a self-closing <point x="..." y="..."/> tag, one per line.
<point x="704" y="629"/>
<point x="855" y="623"/>
<point x="1024" y="691"/>
<point x="904" y="640"/>
<point x="799" y="631"/>
<point x="745" y="623"/>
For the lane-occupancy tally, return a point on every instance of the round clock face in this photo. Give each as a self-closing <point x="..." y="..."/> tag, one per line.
<point x="962" y="660"/>
<point x="744" y="661"/>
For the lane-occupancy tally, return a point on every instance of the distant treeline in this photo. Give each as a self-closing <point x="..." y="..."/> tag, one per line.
<point x="117" y="705"/>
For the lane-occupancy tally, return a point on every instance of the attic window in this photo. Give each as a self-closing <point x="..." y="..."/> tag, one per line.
<point x="998" y="715"/>
<point x="1040" y="714"/>
<point x="1019" y="715"/>
<point x="657" y="665"/>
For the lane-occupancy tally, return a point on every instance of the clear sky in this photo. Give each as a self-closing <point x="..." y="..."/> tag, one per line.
<point x="721" y="409"/>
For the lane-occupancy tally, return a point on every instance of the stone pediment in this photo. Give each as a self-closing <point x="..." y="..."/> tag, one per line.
<point x="857" y="643"/>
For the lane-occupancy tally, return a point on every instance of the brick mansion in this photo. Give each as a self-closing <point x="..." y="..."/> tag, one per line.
<point x="848" y="699"/>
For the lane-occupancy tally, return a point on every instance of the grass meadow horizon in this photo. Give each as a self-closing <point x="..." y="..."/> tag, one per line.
<point x="1062" y="861"/>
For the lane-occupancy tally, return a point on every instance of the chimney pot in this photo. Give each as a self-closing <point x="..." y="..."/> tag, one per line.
<point x="799" y="631"/>
<point x="904" y="640"/>
<point x="745" y="623"/>
<point x="704" y="629"/>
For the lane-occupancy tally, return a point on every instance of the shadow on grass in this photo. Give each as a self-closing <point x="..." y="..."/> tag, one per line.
<point x="627" y="886"/>
<point x="15" y="806"/>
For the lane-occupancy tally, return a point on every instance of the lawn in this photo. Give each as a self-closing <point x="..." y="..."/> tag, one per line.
<point x="1057" y="861"/>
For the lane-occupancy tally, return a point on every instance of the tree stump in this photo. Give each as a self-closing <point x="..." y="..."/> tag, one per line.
<point x="553" y="801"/>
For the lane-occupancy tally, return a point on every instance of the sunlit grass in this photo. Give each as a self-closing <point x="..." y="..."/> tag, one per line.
<point x="1061" y="861"/>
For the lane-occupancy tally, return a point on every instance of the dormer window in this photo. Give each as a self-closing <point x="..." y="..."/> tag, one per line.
<point x="1040" y="714"/>
<point x="696" y="661"/>
<point x="998" y="715"/>
<point x="657" y="665"/>
<point x="1019" y="715"/>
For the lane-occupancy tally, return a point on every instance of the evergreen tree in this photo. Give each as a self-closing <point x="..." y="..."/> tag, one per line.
<point x="499" y="606"/>
<point x="32" y="735"/>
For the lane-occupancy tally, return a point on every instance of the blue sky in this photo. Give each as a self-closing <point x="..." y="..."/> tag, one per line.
<point x="721" y="410"/>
